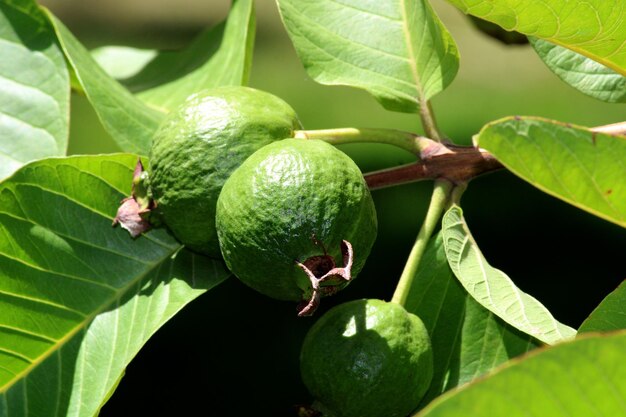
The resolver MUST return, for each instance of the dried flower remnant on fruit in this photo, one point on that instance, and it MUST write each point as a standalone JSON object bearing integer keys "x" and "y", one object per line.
{"x": 132, "y": 215}
{"x": 326, "y": 279}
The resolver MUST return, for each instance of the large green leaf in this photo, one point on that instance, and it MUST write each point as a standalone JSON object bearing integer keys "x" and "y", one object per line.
{"x": 129, "y": 121}
{"x": 34, "y": 88}
{"x": 398, "y": 50}
{"x": 492, "y": 288}
{"x": 220, "y": 56}
{"x": 468, "y": 340}
{"x": 582, "y": 378}
{"x": 582, "y": 167}
{"x": 78, "y": 298}
{"x": 584, "y": 74}
{"x": 594, "y": 28}
{"x": 610, "y": 314}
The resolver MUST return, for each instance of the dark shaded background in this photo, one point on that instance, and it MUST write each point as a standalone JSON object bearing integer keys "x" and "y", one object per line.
{"x": 233, "y": 352}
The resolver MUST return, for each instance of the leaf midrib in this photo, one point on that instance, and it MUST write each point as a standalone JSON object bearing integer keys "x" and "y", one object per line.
{"x": 411, "y": 52}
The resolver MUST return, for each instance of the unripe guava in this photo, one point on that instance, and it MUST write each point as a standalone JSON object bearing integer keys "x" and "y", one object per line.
{"x": 296, "y": 221}
{"x": 199, "y": 145}
{"x": 367, "y": 358}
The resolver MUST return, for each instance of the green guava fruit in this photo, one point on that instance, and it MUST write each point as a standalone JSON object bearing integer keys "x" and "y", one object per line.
{"x": 296, "y": 221}
{"x": 367, "y": 358}
{"x": 199, "y": 145}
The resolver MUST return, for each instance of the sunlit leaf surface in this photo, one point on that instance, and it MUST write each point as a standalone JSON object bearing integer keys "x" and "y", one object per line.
{"x": 594, "y": 28}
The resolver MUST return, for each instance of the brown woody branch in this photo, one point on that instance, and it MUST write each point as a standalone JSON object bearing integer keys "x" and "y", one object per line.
{"x": 457, "y": 164}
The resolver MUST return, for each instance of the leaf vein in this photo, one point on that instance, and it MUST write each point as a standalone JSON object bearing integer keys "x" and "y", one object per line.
{"x": 29, "y": 333}
{"x": 15, "y": 354}
{"x": 60, "y": 274}
{"x": 42, "y": 301}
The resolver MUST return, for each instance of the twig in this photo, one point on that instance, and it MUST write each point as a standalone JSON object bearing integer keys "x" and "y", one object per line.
{"x": 457, "y": 164}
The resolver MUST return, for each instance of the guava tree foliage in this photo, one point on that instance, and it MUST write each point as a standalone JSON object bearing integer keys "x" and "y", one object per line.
{"x": 79, "y": 298}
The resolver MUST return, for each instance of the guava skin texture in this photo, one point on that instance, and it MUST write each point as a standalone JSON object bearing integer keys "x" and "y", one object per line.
{"x": 199, "y": 145}
{"x": 294, "y": 202}
{"x": 367, "y": 358}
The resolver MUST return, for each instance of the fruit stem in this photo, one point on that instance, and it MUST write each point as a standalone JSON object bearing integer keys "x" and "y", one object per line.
{"x": 428, "y": 121}
{"x": 408, "y": 141}
{"x": 438, "y": 202}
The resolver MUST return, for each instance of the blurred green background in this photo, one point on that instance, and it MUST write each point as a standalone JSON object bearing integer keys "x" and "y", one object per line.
{"x": 233, "y": 352}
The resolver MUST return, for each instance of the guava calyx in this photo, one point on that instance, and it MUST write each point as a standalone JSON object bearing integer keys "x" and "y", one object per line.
{"x": 134, "y": 211}
{"x": 325, "y": 277}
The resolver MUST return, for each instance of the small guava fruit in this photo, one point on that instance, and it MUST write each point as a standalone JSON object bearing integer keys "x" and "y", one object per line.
{"x": 367, "y": 358}
{"x": 296, "y": 221}
{"x": 199, "y": 145}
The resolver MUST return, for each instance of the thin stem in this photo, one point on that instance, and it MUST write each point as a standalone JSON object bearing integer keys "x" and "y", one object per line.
{"x": 438, "y": 202}
{"x": 405, "y": 140}
{"x": 456, "y": 194}
{"x": 428, "y": 121}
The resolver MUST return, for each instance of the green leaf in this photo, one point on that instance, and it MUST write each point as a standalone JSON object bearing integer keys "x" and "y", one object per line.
{"x": 398, "y": 50}
{"x": 584, "y": 74}
{"x": 582, "y": 378}
{"x": 581, "y": 167}
{"x": 593, "y": 28}
{"x": 468, "y": 340}
{"x": 610, "y": 314}
{"x": 492, "y": 288}
{"x": 34, "y": 88}
{"x": 220, "y": 56}
{"x": 128, "y": 120}
{"x": 78, "y": 298}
